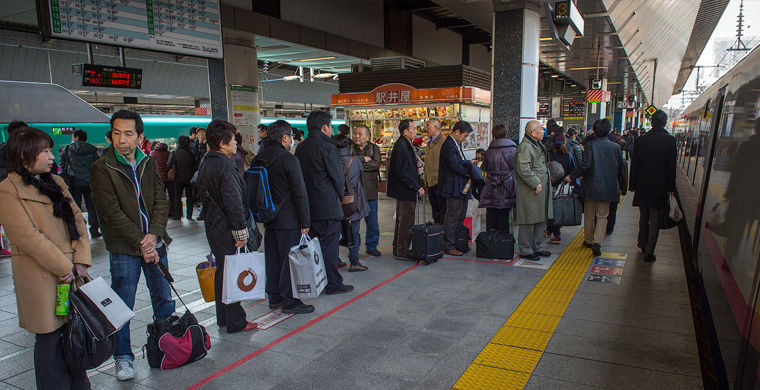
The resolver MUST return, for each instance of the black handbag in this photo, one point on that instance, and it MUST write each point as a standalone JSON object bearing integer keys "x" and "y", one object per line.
{"x": 86, "y": 343}
{"x": 346, "y": 234}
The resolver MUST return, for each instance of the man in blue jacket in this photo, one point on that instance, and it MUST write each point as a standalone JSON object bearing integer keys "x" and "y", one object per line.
{"x": 454, "y": 172}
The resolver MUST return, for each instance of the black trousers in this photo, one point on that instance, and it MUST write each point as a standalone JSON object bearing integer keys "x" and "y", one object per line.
{"x": 438, "y": 205}
{"x": 456, "y": 209}
{"x": 649, "y": 228}
{"x": 402, "y": 232}
{"x": 612, "y": 217}
{"x": 79, "y": 192}
{"x": 328, "y": 233}
{"x": 169, "y": 185}
{"x": 277, "y": 244}
{"x": 233, "y": 315}
{"x": 188, "y": 188}
{"x": 50, "y": 368}
{"x": 497, "y": 219}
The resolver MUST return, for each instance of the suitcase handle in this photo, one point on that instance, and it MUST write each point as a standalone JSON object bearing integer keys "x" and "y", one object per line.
{"x": 417, "y": 211}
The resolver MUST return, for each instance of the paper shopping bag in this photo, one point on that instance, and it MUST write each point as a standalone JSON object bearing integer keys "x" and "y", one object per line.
{"x": 244, "y": 277}
{"x": 307, "y": 268}
{"x": 111, "y": 310}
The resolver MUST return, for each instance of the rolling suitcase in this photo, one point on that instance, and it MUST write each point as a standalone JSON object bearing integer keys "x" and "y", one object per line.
{"x": 427, "y": 239}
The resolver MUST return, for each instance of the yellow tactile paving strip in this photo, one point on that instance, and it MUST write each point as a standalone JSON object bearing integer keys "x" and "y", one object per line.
{"x": 508, "y": 360}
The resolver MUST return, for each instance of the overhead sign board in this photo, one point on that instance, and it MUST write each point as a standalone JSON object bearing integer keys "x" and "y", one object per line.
{"x": 111, "y": 76}
{"x": 395, "y": 93}
{"x": 191, "y": 27}
{"x": 569, "y": 21}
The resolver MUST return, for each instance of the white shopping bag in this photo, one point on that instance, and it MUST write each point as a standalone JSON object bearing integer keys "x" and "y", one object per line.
{"x": 307, "y": 268}
{"x": 110, "y": 306}
{"x": 244, "y": 277}
{"x": 474, "y": 212}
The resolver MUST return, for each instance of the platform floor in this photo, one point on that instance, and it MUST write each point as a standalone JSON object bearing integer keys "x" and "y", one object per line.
{"x": 627, "y": 326}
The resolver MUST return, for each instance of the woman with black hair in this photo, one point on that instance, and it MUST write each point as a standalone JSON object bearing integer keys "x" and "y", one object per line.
{"x": 50, "y": 242}
{"x": 352, "y": 170}
{"x": 558, "y": 152}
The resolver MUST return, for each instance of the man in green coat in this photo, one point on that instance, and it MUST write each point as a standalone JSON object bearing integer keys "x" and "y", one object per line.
{"x": 534, "y": 200}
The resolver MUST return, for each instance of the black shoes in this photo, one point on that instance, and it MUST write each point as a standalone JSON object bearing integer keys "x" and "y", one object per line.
{"x": 300, "y": 308}
{"x": 531, "y": 257}
{"x": 650, "y": 258}
{"x": 375, "y": 253}
{"x": 340, "y": 290}
{"x": 543, "y": 253}
{"x": 587, "y": 245}
{"x": 406, "y": 257}
{"x": 357, "y": 268}
{"x": 596, "y": 249}
{"x": 275, "y": 305}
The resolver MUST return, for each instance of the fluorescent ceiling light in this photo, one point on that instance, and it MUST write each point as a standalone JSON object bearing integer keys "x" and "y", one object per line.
{"x": 316, "y": 59}
{"x": 615, "y": 82}
{"x": 587, "y": 68}
{"x": 554, "y": 76}
{"x": 545, "y": 39}
{"x": 293, "y": 77}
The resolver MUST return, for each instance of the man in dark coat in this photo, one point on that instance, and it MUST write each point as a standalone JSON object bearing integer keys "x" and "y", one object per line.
{"x": 324, "y": 184}
{"x": 292, "y": 220}
{"x": 370, "y": 155}
{"x": 604, "y": 177}
{"x": 184, "y": 164}
{"x": 653, "y": 176}
{"x": 404, "y": 185}
{"x": 454, "y": 171}
{"x": 80, "y": 155}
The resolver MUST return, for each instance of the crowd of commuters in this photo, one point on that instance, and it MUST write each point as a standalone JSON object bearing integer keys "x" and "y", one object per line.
{"x": 133, "y": 187}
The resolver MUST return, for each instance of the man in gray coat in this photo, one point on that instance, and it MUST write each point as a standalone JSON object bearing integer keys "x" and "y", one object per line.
{"x": 604, "y": 177}
{"x": 534, "y": 202}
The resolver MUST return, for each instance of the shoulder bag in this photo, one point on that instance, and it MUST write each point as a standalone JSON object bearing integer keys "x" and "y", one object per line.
{"x": 348, "y": 203}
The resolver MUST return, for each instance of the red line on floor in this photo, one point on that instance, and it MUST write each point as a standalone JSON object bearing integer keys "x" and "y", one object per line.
{"x": 292, "y": 333}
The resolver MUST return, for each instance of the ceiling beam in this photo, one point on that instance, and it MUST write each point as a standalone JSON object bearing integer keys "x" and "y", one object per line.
{"x": 452, "y": 23}
{"x": 416, "y": 5}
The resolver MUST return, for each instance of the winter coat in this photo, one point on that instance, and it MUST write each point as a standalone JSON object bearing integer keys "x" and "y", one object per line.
{"x": 42, "y": 250}
{"x": 184, "y": 164}
{"x": 653, "y": 168}
{"x": 433, "y": 160}
{"x": 603, "y": 171}
{"x": 530, "y": 171}
{"x": 239, "y": 158}
{"x": 575, "y": 148}
{"x": 499, "y": 191}
{"x": 224, "y": 197}
{"x": 371, "y": 173}
{"x": 403, "y": 173}
{"x": 453, "y": 171}
{"x": 3, "y": 162}
{"x": 353, "y": 180}
{"x": 80, "y": 155}
{"x": 287, "y": 187}
{"x": 320, "y": 165}
{"x": 124, "y": 217}
{"x": 160, "y": 155}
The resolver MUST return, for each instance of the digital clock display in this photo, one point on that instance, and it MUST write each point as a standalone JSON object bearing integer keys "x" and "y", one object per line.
{"x": 111, "y": 76}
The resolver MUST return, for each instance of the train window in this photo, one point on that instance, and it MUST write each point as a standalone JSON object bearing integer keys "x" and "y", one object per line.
{"x": 707, "y": 113}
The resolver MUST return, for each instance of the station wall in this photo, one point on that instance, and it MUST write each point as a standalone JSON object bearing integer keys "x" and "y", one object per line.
{"x": 442, "y": 47}
{"x": 480, "y": 58}
{"x": 358, "y": 20}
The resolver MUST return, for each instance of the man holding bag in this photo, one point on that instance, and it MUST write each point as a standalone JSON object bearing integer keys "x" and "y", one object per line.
{"x": 292, "y": 220}
{"x": 131, "y": 203}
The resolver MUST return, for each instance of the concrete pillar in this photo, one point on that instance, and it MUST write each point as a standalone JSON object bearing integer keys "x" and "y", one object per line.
{"x": 241, "y": 73}
{"x": 514, "y": 84}
{"x": 217, "y": 88}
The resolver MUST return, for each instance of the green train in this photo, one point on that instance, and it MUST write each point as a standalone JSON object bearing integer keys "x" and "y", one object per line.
{"x": 157, "y": 128}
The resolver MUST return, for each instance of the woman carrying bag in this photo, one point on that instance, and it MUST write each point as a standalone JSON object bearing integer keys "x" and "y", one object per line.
{"x": 352, "y": 170}
{"x": 558, "y": 152}
{"x": 227, "y": 217}
{"x": 50, "y": 242}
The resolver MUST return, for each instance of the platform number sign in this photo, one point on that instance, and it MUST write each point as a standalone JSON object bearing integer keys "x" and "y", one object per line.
{"x": 562, "y": 10}
{"x": 651, "y": 110}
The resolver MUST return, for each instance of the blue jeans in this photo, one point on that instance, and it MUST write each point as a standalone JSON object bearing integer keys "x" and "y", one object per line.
{"x": 373, "y": 228}
{"x": 353, "y": 250}
{"x": 125, "y": 273}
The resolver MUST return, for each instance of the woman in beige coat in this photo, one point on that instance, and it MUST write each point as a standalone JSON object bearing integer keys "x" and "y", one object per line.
{"x": 49, "y": 241}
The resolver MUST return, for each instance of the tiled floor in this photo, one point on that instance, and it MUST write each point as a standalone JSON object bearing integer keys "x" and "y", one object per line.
{"x": 420, "y": 330}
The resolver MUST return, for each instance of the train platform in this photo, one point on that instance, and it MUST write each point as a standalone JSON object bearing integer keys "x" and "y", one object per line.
{"x": 569, "y": 321}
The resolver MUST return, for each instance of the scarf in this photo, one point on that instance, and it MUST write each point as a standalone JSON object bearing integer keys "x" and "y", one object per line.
{"x": 61, "y": 204}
